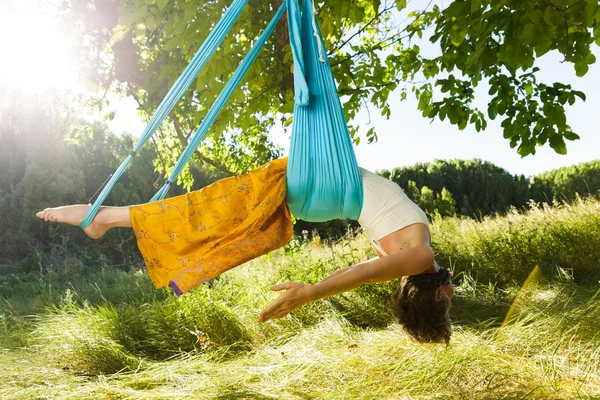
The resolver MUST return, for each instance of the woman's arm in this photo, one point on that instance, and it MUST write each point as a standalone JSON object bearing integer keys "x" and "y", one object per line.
{"x": 408, "y": 261}
{"x": 342, "y": 270}
{"x": 339, "y": 271}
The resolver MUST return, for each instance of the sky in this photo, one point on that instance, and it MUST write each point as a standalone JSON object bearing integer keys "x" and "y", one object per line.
{"x": 408, "y": 138}
{"x": 42, "y": 60}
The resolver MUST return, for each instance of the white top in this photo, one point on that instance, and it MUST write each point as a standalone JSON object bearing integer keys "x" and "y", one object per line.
{"x": 386, "y": 208}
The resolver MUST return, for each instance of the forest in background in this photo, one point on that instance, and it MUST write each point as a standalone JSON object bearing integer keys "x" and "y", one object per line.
{"x": 76, "y": 156}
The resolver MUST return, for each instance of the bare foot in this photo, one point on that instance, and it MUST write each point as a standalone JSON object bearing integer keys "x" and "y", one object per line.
{"x": 73, "y": 215}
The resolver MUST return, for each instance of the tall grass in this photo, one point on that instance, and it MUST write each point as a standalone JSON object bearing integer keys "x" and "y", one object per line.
{"x": 503, "y": 250}
{"x": 144, "y": 343}
{"x": 550, "y": 351}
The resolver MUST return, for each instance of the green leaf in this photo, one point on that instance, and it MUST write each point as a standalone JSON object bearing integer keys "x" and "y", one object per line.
{"x": 162, "y": 4}
{"x": 509, "y": 132}
{"x": 558, "y": 144}
{"x": 551, "y": 16}
{"x": 581, "y": 69}
{"x": 535, "y": 16}
{"x": 140, "y": 31}
{"x": 569, "y": 135}
{"x": 424, "y": 100}
{"x": 530, "y": 34}
{"x": 127, "y": 18}
{"x": 473, "y": 57}
{"x": 579, "y": 94}
{"x": 151, "y": 23}
{"x": 563, "y": 98}
{"x": 542, "y": 138}
{"x": 526, "y": 149}
{"x": 492, "y": 110}
{"x": 442, "y": 113}
{"x": 458, "y": 36}
{"x": 400, "y": 4}
{"x": 591, "y": 8}
{"x": 590, "y": 58}
{"x": 172, "y": 43}
{"x": 455, "y": 9}
{"x": 190, "y": 12}
{"x": 287, "y": 108}
{"x": 475, "y": 5}
{"x": 511, "y": 56}
{"x": 119, "y": 34}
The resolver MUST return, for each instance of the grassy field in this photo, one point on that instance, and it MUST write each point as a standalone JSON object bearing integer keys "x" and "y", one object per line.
{"x": 110, "y": 335}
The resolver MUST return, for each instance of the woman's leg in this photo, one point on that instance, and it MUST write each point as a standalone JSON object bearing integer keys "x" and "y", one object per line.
{"x": 107, "y": 217}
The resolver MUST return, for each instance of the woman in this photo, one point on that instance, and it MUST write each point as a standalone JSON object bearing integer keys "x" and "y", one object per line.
{"x": 189, "y": 239}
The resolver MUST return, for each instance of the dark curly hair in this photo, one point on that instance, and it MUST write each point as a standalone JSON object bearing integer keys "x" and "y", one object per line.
{"x": 414, "y": 306}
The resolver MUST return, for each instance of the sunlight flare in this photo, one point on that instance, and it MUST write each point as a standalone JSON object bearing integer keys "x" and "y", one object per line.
{"x": 535, "y": 278}
{"x": 36, "y": 51}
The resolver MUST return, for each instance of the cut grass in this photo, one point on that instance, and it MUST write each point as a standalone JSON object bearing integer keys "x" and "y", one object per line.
{"x": 541, "y": 355}
{"x": 115, "y": 337}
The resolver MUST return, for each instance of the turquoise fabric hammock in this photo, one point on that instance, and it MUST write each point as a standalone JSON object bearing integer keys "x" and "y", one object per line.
{"x": 323, "y": 178}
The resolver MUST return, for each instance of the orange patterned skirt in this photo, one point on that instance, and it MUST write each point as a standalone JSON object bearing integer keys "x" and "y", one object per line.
{"x": 187, "y": 240}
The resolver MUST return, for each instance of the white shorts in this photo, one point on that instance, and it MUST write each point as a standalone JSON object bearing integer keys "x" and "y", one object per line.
{"x": 386, "y": 208}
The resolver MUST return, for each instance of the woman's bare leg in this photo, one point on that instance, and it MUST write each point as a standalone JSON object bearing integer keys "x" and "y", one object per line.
{"x": 107, "y": 217}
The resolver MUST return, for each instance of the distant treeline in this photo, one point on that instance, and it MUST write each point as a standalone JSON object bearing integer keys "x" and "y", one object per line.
{"x": 478, "y": 188}
{"x": 47, "y": 159}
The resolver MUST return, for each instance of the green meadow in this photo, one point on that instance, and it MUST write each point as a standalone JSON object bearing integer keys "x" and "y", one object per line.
{"x": 108, "y": 334}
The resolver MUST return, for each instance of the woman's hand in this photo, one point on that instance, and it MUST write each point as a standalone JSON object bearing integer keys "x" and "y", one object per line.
{"x": 295, "y": 296}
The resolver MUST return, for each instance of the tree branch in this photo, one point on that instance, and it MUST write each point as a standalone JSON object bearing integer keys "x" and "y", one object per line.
{"x": 358, "y": 89}
{"x": 361, "y": 30}
{"x": 563, "y": 14}
{"x": 184, "y": 142}
{"x": 356, "y": 86}
{"x": 382, "y": 44}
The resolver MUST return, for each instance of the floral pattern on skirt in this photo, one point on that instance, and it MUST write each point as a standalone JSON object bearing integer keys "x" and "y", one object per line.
{"x": 189, "y": 239}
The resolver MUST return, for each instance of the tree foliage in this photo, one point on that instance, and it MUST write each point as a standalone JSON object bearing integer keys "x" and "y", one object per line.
{"x": 140, "y": 47}
{"x": 50, "y": 159}
{"x": 568, "y": 182}
{"x": 433, "y": 203}
{"x": 477, "y": 188}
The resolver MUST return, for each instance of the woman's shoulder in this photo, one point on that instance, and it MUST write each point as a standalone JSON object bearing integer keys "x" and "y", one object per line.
{"x": 365, "y": 173}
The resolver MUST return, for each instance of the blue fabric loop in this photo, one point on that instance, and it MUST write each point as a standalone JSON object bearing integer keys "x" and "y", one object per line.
{"x": 294, "y": 27}
{"x": 323, "y": 179}
{"x": 212, "y": 42}
{"x": 212, "y": 114}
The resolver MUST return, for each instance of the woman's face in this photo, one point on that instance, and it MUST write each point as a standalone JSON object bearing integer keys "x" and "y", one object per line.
{"x": 446, "y": 291}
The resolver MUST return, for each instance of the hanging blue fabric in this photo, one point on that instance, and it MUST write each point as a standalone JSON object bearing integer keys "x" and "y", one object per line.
{"x": 323, "y": 179}
{"x": 233, "y": 82}
{"x": 207, "y": 49}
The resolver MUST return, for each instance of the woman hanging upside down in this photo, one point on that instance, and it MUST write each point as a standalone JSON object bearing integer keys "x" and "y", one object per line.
{"x": 189, "y": 239}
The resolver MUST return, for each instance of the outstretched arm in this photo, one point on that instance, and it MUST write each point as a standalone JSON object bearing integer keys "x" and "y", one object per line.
{"x": 342, "y": 270}
{"x": 408, "y": 261}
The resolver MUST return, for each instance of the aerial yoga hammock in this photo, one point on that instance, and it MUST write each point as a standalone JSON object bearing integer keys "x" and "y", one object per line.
{"x": 322, "y": 176}
{"x": 187, "y": 240}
